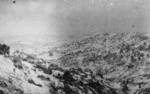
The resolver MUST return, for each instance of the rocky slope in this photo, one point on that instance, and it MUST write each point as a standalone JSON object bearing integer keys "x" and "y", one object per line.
{"x": 119, "y": 58}
{"x": 116, "y": 63}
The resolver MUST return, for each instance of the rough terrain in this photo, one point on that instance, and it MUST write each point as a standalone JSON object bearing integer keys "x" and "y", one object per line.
{"x": 110, "y": 63}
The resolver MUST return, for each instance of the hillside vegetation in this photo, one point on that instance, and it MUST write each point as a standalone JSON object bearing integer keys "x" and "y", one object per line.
{"x": 117, "y": 57}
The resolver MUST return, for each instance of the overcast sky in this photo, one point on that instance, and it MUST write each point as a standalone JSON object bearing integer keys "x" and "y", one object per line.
{"x": 61, "y": 17}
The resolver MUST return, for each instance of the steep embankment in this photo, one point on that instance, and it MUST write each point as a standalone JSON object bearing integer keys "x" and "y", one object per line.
{"x": 20, "y": 78}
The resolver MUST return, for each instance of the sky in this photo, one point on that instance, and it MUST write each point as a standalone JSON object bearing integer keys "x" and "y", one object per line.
{"x": 73, "y": 17}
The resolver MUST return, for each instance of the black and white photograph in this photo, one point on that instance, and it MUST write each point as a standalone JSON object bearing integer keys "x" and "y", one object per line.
{"x": 74, "y": 46}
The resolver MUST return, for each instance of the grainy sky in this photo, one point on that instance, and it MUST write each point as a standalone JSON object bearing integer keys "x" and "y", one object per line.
{"x": 64, "y": 17}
